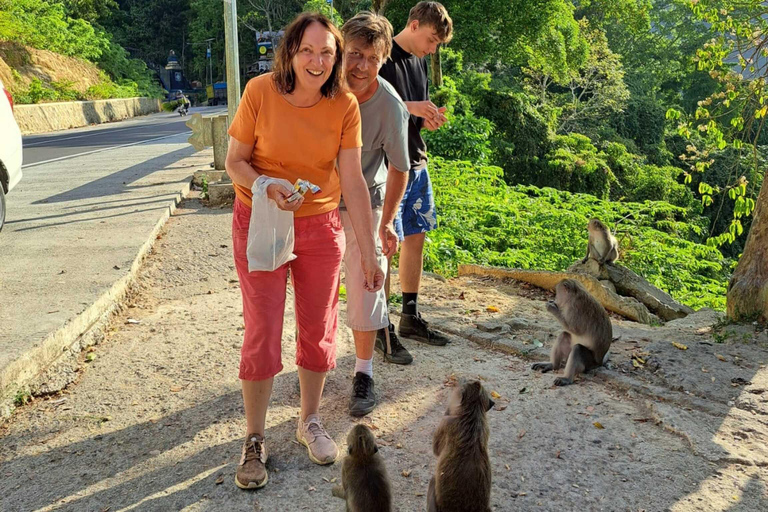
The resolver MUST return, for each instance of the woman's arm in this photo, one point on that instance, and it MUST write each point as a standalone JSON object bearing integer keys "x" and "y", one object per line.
{"x": 358, "y": 202}
{"x": 240, "y": 170}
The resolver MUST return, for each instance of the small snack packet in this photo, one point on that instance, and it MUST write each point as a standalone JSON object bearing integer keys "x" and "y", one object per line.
{"x": 301, "y": 187}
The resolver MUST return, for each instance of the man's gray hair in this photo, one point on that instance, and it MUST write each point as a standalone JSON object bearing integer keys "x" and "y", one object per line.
{"x": 372, "y": 29}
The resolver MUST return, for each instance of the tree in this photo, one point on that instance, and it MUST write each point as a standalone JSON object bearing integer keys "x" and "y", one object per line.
{"x": 324, "y": 7}
{"x": 150, "y": 30}
{"x": 268, "y": 10}
{"x": 92, "y": 11}
{"x": 490, "y": 32}
{"x": 657, "y": 40}
{"x": 590, "y": 72}
{"x": 734, "y": 116}
{"x": 598, "y": 89}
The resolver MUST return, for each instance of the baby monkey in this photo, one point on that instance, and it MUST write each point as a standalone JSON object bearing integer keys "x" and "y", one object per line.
{"x": 364, "y": 481}
{"x": 602, "y": 245}
{"x": 587, "y": 332}
{"x": 462, "y": 481}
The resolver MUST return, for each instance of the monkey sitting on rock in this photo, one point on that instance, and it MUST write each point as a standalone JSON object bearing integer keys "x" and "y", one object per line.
{"x": 462, "y": 481}
{"x": 587, "y": 332}
{"x": 602, "y": 245}
{"x": 364, "y": 481}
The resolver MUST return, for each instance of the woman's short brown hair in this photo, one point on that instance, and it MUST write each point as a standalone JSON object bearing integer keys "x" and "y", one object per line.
{"x": 284, "y": 76}
{"x": 435, "y": 15}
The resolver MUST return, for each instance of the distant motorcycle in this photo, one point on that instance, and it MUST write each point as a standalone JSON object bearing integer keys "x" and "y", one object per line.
{"x": 184, "y": 109}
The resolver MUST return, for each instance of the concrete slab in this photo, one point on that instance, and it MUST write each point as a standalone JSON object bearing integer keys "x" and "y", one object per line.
{"x": 221, "y": 193}
{"x": 76, "y": 232}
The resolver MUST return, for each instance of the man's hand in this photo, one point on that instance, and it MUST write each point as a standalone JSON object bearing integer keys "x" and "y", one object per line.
{"x": 389, "y": 239}
{"x": 435, "y": 123}
{"x": 280, "y": 194}
{"x": 374, "y": 275}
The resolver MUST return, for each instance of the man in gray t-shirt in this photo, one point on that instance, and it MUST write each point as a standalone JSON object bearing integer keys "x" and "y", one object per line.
{"x": 385, "y": 163}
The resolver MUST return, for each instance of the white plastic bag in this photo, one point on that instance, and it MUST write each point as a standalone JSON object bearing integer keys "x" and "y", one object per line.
{"x": 270, "y": 233}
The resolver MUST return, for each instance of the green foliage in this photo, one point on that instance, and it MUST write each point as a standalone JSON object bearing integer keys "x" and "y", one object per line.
{"x": 39, "y": 91}
{"x": 642, "y": 121}
{"x": 170, "y": 106}
{"x": 484, "y": 221}
{"x": 576, "y": 165}
{"x": 323, "y": 7}
{"x": 522, "y": 137}
{"x": 463, "y": 137}
{"x": 45, "y": 24}
{"x": 489, "y": 32}
{"x": 49, "y": 25}
{"x": 107, "y": 89}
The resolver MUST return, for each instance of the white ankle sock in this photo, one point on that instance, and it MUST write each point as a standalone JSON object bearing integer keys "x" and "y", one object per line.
{"x": 364, "y": 366}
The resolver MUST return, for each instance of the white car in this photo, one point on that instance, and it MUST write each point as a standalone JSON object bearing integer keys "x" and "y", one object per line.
{"x": 10, "y": 149}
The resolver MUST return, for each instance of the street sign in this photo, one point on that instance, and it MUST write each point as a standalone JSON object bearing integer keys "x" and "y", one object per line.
{"x": 329, "y": 1}
{"x": 208, "y": 53}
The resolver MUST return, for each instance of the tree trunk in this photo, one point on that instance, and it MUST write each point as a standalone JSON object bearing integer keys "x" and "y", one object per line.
{"x": 747, "y": 297}
{"x": 378, "y": 5}
{"x": 437, "y": 70}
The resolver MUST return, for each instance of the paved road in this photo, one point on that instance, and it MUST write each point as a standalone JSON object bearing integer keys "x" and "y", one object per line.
{"x": 87, "y": 204}
{"x": 45, "y": 148}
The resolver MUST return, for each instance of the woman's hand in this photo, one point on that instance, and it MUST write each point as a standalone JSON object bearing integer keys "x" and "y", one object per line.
{"x": 374, "y": 275}
{"x": 280, "y": 194}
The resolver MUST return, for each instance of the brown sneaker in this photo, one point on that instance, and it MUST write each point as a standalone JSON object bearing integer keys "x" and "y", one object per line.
{"x": 322, "y": 450}
{"x": 252, "y": 471}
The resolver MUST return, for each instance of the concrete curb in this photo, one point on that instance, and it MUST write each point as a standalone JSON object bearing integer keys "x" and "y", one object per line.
{"x": 49, "y": 117}
{"x": 29, "y": 373}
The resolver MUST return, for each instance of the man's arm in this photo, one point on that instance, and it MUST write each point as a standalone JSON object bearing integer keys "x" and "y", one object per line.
{"x": 358, "y": 202}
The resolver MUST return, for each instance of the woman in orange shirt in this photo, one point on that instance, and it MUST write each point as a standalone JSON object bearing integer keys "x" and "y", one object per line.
{"x": 297, "y": 122}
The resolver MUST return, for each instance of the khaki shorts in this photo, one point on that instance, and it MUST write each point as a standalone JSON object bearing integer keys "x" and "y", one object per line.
{"x": 366, "y": 311}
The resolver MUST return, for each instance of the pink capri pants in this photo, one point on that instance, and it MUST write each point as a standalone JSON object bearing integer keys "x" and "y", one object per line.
{"x": 319, "y": 249}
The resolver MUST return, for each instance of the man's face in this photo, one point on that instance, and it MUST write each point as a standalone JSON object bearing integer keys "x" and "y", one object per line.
{"x": 424, "y": 39}
{"x": 363, "y": 63}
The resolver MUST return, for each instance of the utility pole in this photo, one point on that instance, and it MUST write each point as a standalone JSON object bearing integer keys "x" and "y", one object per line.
{"x": 233, "y": 58}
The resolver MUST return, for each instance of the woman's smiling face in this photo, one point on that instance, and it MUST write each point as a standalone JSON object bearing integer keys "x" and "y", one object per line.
{"x": 313, "y": 63}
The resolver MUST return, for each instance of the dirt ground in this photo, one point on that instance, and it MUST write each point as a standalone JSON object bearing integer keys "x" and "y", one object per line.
{"x": 155, "y": 419}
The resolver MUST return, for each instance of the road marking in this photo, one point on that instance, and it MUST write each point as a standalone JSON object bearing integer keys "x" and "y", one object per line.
{"x": 89, "y": 134}
{"x": 100, "y": 150}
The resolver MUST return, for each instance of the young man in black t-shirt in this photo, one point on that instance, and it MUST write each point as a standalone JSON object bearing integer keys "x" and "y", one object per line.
{"x": 428, "y": 26}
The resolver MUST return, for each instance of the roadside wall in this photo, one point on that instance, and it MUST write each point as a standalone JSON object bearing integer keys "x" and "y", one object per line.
{"x": 49, "y": 117}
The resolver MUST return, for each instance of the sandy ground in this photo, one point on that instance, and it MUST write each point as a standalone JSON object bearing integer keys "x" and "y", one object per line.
{"x": 155, "y": 419}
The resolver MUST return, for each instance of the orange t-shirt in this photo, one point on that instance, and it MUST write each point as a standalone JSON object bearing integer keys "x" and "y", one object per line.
{"x": 293, "y": 142}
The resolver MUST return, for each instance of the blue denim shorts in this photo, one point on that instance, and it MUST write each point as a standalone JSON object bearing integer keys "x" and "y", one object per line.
{"x": 417, "y": 210}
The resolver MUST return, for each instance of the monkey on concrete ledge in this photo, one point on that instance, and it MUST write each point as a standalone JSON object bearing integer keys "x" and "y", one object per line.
{"x": 587, "y": 332}
{"x": 462, "y": 481}
{"x": 602, "y": 245}
{"x": 364, "y": 481}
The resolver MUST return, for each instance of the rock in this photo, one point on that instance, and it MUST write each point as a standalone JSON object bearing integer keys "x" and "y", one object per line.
{"x": 518, "y": 324}
{"x": 625, "y": 306}
{"x": 705, "y": 317}
{"x": 629, "y": 284}
{"x": 493, "y": 326}
{"x": 608, "y": 285}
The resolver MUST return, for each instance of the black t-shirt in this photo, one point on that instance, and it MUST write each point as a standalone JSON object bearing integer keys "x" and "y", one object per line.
{"x": 408, "y": 74}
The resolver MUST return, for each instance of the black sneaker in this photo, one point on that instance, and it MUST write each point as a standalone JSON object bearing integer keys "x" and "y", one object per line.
{"x": 393, "y": 351}
{"x": 363, "y": 396}
{"x": 416, "y": 328}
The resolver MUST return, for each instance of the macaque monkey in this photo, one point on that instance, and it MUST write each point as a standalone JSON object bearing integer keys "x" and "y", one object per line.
{"x": 602, "y": 245}
{"x": 587, "y": 332}
{"x": 364, "y": 481}
{"x": 462, "y": 481}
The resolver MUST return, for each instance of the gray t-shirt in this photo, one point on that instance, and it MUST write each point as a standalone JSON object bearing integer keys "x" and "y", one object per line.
{"x": 384, "y": 120}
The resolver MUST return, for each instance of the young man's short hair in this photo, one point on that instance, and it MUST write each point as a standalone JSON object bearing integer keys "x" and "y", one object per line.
{"x": 372, "y": 29}
{"x": 435, "y": 15}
